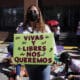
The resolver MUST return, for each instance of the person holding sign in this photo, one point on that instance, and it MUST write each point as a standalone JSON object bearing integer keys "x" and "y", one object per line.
{"x": 34, "y": 23}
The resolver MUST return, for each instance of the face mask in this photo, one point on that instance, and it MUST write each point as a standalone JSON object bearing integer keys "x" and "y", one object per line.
{"x": 32, "y": 16}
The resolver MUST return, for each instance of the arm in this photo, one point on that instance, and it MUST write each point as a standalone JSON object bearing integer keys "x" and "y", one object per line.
{"x": 19, "y": 29}
{"x": 54, "y": 47}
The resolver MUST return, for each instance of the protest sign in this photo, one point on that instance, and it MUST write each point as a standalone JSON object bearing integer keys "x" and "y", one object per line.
{"x": 33, "y": 48}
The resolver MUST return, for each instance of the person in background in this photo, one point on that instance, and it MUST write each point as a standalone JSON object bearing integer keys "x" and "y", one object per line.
{"x": 72, "y": 68}
{"x": 18, "y": 67}
{"x": 18, "y": 29}
{"x": 33, "y": 23}
{"x": 20, "y": 70}
{"x": 55, "y": 29}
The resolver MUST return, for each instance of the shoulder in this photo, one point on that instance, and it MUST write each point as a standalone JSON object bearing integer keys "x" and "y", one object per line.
{"x": 47, "y": 28}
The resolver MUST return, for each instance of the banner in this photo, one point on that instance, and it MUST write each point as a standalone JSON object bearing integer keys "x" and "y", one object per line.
{"x": 33, "y": 48}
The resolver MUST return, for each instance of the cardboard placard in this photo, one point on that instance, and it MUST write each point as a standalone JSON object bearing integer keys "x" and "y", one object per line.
{"x": 33, "y": 48}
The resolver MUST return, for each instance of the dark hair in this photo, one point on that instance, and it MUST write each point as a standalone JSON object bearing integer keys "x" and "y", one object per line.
{"x": 64, "y": 57}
